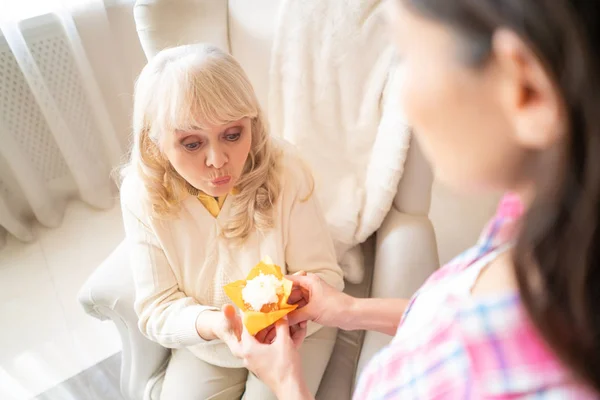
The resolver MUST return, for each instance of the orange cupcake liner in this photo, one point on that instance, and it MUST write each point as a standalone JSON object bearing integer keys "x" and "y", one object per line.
{"x": 256, "y": 321}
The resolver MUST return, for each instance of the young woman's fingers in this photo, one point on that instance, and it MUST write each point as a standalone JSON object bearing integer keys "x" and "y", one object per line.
{"x": 298, "y": 334}
{"x": 261, "y": 336}
{"x": 229, "y": 312}
{"x": 234, "y": 345}
{"x": 248, "y": 341}
{"x": 270, "y": 336}
{"x": 296, "y": 296}
{"x": 300, "y": 315}
{"x": 282, "y": 328}
{"x": 301, "y": 303}
{"x": 303, "y": 281}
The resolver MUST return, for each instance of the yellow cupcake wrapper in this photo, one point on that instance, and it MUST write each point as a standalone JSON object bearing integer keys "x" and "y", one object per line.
{"x": 257, "y": 321}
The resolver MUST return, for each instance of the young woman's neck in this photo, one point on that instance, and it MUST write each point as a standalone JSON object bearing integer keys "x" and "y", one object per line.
{"x": 526, "y": 192}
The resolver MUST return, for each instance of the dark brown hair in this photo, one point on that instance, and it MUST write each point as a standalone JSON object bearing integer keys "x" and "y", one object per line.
{"x": 558, "y": 252}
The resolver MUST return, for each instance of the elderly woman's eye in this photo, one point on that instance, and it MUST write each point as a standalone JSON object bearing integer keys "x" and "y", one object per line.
{"x": 192, "y": 146}
{"x": 232, "y": 137}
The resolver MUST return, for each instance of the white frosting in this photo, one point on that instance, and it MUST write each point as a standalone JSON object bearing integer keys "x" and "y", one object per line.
{"x": 262, "y": 290}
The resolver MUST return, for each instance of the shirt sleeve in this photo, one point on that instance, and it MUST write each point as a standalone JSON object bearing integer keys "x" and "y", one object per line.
{"x": 309, "y": 245}
{"x": 166, "y": 315}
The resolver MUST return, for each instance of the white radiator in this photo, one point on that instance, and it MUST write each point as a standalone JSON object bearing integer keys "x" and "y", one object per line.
{"x": 56, "y": 138}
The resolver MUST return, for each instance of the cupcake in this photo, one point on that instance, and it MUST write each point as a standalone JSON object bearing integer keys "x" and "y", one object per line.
{"x": 262, "y": 296}
{"x": 263, "y": 293}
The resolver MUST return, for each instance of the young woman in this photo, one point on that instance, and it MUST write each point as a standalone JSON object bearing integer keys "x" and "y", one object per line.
{"x": 503, "y": 95}
{"x": 206, "y": 196}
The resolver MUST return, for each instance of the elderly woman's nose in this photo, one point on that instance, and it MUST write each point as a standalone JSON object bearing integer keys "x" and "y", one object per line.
{"x": 216, "y": 157}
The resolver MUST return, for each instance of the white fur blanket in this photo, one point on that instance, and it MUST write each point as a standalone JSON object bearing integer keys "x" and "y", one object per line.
{"x": 333, "y": 93}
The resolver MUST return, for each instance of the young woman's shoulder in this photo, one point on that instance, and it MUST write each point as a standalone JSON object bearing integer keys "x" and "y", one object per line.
{"x": 500, "y": 341}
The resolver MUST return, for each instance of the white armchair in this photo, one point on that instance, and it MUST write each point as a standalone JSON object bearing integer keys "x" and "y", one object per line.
{"x": 401, "y": 256}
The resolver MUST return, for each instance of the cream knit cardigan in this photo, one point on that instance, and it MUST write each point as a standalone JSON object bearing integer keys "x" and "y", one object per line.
{"x": 180, "y": 265}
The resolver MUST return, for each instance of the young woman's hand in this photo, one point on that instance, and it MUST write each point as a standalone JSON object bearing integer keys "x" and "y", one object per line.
{"x": 298, "y": 297}
{"x": 317, "y": 301}
{"x": 228, "y": 327}
{"x": 267, "y": 335}
{"x": 278, "y": 364}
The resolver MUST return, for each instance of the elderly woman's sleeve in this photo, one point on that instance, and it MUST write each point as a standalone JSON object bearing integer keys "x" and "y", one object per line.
{"x": 166, "y": 315}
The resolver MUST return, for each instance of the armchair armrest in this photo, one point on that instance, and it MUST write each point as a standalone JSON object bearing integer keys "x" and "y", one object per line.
{"x": 405, "y": 256}
{"x": 109, "y": 294}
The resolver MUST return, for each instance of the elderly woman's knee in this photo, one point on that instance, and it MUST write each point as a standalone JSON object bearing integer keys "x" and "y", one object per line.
{"x": 189, "y": 378}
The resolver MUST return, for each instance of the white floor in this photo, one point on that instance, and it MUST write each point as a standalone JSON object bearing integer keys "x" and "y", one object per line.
{"x": 45, "y": 336}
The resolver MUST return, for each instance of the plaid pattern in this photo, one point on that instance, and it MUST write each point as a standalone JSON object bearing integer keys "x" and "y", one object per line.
{"x": 478, "y": 348}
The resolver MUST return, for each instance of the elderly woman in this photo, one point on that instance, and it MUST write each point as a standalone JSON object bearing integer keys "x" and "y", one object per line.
{"x": 206, "y": 195}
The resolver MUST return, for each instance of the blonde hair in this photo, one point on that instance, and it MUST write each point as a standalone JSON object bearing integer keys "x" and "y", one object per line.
{"x": 192, "y": 86}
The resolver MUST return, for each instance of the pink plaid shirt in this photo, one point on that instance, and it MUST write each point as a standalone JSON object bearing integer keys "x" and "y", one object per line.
{"x": 476, "y": 348}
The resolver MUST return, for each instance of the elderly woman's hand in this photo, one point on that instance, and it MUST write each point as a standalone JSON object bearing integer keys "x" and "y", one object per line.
{"x": 278, "y": 364}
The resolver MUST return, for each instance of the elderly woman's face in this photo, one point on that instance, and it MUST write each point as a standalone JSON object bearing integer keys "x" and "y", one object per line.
{"x": 211, "y": 159}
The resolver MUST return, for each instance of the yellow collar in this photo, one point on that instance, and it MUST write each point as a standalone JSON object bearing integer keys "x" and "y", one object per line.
{"x": 214, "y": 205}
